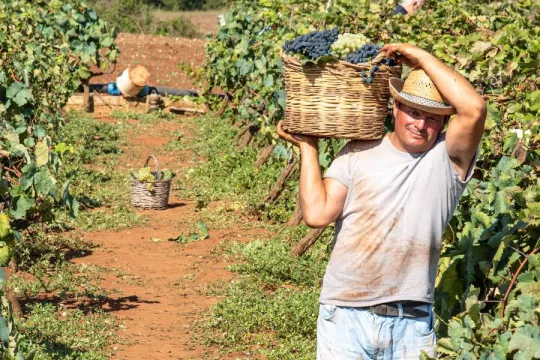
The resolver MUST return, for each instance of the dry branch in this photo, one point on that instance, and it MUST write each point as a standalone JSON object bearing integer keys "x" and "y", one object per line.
{"x": 247, "y": 136}
{"x": 12, "y": 297}
{"x": 280, "y": 183}
{"x": 223, "y": 106}
{"x": 514, "y": 279}
{"x": 297, "y": 216}
{"x": 307, "y": 242}
{"x": 265, "y": 155}
{"x": 241, "y": 133}
{"x": 86, "y": 99}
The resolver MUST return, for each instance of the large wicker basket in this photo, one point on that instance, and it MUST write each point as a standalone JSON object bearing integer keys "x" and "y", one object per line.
{"x": 157, "y": 197}
{"x": 330, "y": 100}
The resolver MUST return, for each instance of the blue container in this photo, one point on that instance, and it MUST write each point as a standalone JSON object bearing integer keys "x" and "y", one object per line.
{"x": 112, "y": 89}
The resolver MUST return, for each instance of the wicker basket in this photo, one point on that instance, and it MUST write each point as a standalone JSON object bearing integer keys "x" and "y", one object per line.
{"x": 158, "y": 197}
{"x": 330, "y": 100}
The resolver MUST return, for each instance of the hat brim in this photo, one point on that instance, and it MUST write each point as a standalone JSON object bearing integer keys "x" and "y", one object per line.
{"x": 396, "y": 85}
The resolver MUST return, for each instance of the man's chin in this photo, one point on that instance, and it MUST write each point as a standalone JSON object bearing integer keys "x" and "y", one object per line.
{"x": 417, "y": 144}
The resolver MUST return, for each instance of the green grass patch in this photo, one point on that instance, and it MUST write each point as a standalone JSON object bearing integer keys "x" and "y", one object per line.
{"x": 144, "y": 118}
{"x": 272, "y": 307}
{"x": 103, "y": 192}
{"x": 46, "y": 280}
{"x": 52, "y": 332}
{"x": 223, "y": 173}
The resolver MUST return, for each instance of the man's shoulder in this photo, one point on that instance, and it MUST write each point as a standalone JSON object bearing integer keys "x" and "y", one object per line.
{"x": 362, "y": 145}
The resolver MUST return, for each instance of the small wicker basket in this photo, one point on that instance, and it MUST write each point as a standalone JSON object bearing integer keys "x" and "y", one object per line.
{"x": 330, "y": 100}
{"x": 158, "y": 197}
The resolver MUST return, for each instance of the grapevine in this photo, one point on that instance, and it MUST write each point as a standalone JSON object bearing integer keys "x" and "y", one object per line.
{"x": 493, "y": 44}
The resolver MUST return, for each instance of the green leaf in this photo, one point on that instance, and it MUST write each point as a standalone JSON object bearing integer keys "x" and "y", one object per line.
{"x": 43, "y": 182}
{"x": 14, "y": 89}
{"x": 4, "y": 331}
{"x": 480, "y": 47}
{"x": 203, "y": 230}
{"x": 21, "y": 206}
{"x": 42, "y": 153}
{"x": 502, "y": 204}
{"x": 510, "y": 142}
{"x": 526, "y": 340}
{"x": 84, "y": 73}
{"x": 69, "y": 200}
{"x": 23, "y": 97}
{"x": 494, "y": 116}
{"x": 534, "y": 208}
{"x": 445, "y": 346}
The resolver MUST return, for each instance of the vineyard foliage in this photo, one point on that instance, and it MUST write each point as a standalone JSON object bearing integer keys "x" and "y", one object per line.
{"x": 488, "y": 288}
{"x": 47, "y": 49}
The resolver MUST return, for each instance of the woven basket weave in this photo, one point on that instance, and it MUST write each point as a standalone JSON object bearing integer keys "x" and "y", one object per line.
{"x": 330, "y": 100}
{"x": 158, "y": 197}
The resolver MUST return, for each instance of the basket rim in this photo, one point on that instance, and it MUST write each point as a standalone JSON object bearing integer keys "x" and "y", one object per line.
{"x": 136, "y": 181}
{"x": 293, "y": 60}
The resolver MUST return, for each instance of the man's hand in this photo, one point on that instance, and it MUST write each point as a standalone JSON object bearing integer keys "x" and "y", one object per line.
{"x": 321, "y": 201}
{"x": 407, "y": 54}
{"x": 296, "y": 139}
{"x": 412, "y": 5}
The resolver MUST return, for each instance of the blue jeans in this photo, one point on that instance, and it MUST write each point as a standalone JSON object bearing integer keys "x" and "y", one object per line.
{"x": 346, "y": 333}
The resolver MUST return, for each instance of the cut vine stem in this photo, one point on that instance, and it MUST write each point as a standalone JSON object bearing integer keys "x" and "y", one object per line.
{"x": 252, "y": 129}
{"x": 241, "y": 133}
{"x": 307, "y": 242}
{"x": 280, "y": 183}
{"x": 297, "y": 216}
{"x": 224, "y": 105}
{"x": 514, "y": 279}
{"x": 265, "y": 155}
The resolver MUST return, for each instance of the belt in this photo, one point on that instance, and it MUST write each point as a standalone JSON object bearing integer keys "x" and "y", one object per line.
{"x": 410, "y": 311}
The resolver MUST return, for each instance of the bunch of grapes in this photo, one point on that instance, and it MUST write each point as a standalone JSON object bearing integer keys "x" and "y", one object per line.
{"x": 367, "y": 53}
{"x": 368, "y": 77}
{"x": 363, "y": 55}
{"x": 313, "y": 45}
{"x": 347, "y": 43}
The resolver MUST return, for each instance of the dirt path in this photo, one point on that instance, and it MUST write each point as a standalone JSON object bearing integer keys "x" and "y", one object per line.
{"x": 160, "y": 290}
{"x": 161, "y": 55}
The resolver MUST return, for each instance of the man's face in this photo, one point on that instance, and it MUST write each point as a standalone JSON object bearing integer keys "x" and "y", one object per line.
{"x": 416, "y": 130}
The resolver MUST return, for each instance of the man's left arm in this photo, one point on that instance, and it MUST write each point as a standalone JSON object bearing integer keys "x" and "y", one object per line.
{"x": 466, "y": 128}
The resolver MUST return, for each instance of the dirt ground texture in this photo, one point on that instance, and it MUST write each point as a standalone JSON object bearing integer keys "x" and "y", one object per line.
{"x": 161, "y": 55}
{"x": 160, "y": 290}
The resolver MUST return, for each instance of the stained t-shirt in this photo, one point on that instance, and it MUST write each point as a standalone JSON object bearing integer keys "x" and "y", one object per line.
{"x": 388, "y": 236}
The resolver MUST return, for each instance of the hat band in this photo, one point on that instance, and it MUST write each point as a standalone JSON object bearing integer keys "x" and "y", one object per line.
{"x": 423, "y": 101}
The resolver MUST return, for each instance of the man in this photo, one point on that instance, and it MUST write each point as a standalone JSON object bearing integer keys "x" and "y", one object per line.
{"x": 408, "y": 7}
{"x": 392, "y": 200}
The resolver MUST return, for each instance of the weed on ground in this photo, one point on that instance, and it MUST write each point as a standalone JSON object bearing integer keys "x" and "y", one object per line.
{"x": 271, "y": 308}
{"x": 222, "y": 173}
{"x": 100, "y": 186}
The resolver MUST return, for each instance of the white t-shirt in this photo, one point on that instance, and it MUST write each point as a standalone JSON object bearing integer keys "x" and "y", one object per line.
{"x": 388, "y": 237}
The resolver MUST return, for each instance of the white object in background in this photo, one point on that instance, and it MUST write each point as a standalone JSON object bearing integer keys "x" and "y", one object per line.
{"x": 132, "y": 80}
{"x": 221, "y": 20}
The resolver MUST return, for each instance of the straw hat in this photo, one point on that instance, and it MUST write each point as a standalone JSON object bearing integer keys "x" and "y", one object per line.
{"x": 419, "y": 92}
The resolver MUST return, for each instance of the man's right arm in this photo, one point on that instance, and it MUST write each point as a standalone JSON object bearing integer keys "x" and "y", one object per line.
{"x": 321, "y": 200}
